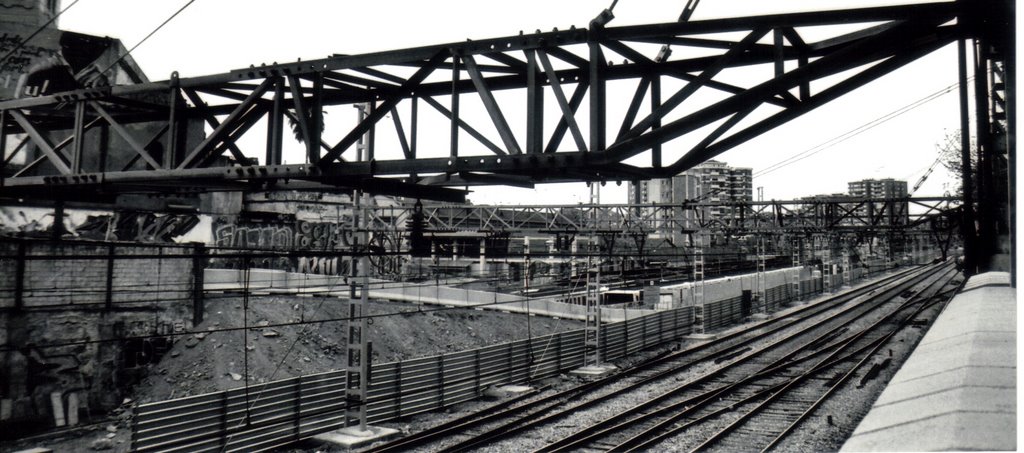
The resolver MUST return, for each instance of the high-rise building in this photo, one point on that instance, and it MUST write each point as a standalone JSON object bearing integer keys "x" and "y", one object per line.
{"x": 897, "y": 212}
{"x": 711, "y": 181}
{"x": 878, "y": 188}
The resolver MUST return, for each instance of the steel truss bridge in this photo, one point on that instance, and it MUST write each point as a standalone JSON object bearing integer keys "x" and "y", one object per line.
{"x": 865, "y": 215}
{"x": 67, "y": 137}
{"x": 638, "y": 231}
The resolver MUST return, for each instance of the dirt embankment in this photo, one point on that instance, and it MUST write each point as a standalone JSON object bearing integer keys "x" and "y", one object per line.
{"x": 223, "y": 354}
{"x": 216, "y": 360}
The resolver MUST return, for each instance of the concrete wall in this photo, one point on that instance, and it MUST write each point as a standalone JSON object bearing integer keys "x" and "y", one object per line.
{"x": 64, "y": 301}
{"x": 681, "y": 295}
{"x": 266, "y": 280}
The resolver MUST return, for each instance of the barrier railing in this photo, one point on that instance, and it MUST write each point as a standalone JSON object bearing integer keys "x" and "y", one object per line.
{"x": 282, "y": 412}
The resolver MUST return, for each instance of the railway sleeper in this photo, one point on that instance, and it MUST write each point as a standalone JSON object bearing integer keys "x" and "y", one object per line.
{"x": 875, "y": 370}
{"x": 732, "y": 355}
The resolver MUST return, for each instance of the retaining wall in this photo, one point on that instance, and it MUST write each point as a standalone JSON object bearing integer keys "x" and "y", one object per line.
{"x": 419, "y": 293}
{"x": 80, "y": 321}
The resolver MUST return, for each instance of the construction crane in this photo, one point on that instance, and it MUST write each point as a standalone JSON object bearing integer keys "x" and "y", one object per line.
{"x": 917, "y": 185}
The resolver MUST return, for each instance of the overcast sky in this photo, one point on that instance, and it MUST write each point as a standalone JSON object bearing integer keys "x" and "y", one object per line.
{"x": 214, "y": 36}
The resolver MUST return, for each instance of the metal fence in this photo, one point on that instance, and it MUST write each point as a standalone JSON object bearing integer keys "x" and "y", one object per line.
{"x": 278, "y": 413}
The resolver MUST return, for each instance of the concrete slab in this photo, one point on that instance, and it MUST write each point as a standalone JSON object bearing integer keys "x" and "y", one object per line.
{"x": 353, "y": 437}
{"x": 505, "y": 391}
{"x": 701, "y": 336}
{"x": 592, "y": 371}
{"x": 957, "y": 391}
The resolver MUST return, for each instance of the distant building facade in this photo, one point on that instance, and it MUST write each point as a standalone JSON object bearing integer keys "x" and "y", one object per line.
{"x": 878, "y": 188}
{"x": 886, "y": 188}
{"x": 898, "y": 212}
{"x": 711, "y": 181}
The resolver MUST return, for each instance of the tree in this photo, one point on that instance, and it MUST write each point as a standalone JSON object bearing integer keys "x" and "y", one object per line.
{"x": 949, "y": 153}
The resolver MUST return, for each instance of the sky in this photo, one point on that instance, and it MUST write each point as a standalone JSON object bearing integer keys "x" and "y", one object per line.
{"x": 216, "y": 36}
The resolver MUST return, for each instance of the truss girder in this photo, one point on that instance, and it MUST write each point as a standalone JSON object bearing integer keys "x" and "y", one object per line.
{"x": 571, "y": 65}
{"x": 800, "y": 217}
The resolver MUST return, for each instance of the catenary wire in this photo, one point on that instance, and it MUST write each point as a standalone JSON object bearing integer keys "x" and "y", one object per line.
{"x": 158, "y": 27}
{"x": 855, "y": 131}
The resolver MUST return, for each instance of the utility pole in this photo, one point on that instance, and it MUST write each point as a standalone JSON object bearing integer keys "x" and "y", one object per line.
{"x": 593, "y": 311}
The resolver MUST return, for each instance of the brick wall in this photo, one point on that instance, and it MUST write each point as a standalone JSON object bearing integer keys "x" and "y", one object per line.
{"x": 80, "y": 295}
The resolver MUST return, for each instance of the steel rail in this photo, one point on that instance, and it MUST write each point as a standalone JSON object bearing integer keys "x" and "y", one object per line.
{"x": 807, "y": 413}
{"x": 553, "y": 400}
{"x": 617, "y": 422}
{"x": 651, "y": 436}
{"x": 468, "y": 421}
{"x": 778, "y": 323}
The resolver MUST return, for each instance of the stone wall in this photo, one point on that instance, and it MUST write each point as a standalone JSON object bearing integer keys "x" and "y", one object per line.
{"x": 84, "y": 322}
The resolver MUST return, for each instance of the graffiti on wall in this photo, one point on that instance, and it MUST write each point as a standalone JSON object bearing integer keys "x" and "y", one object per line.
{"x": 21, "y": 63}
{"x": 307, "y": 235}
{"x": 120, "y": 226}
{"x": 147, "y": 341}
{"x": 48, "y": 61}
{"x": 47, "y": 369}
{"x": 302, "y": 235}
{"x": 138, "y": 227}
{"x": 253, "y": 236}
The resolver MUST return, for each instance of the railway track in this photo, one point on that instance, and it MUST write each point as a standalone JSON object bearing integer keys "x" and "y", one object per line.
{"x": 760, "y": 416}
{"x": 714, "y": 364}
{"x": 722, "y": 393}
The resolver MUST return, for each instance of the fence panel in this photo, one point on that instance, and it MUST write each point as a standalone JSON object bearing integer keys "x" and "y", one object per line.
{"x": 277, "y": 413}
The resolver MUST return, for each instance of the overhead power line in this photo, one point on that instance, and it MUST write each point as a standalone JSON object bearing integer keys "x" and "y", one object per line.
{"x": 855, "y": 131}
{"x": 122, "y": 57}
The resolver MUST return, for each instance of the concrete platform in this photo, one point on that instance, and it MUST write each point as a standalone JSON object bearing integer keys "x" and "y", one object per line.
{"x": 958, "y": 389}
{"x": 352, "y": 437}
{"x": 594, "y": 370}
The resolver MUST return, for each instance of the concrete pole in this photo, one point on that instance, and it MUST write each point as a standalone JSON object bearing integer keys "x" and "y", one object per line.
{"x": 364, "y": 337}
{"x": 483, "y": 257}
{"x": 526, "y": 261}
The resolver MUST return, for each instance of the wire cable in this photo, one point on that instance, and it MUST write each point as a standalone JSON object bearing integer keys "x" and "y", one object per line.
{"x": 855, "y": 131}
{"x": 122, "y": 57}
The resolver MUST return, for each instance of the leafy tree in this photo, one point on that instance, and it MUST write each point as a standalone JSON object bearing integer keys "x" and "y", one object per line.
{"x": 949, "y": 151}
